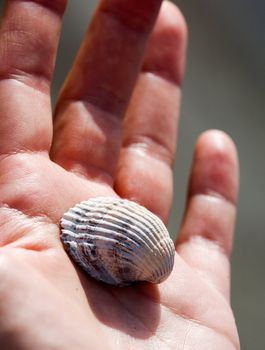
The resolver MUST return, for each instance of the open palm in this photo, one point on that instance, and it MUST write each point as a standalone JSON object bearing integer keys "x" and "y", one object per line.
{"x": 49, "y": 164}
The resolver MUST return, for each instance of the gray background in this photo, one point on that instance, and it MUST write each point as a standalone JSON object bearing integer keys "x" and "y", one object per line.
{"x": 225, "y": 89}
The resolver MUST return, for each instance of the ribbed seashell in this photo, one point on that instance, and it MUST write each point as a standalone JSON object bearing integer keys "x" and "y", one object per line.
{"x": 117, "y": 241}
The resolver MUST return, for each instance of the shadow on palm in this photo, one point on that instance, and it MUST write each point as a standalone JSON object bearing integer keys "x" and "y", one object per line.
{"x": 129, "y": 310}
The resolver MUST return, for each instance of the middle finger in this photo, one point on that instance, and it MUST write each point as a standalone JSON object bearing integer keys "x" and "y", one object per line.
{"x": 88, "y": 118}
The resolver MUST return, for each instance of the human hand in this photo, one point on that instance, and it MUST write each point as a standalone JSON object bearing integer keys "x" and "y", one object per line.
{"x": 48, "y": 164}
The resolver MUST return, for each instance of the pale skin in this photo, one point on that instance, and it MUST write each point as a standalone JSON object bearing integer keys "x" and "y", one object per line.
{"x": 113, "y": 133}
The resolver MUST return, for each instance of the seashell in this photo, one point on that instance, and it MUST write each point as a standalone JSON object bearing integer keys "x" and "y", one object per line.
{"x": 118, "y": 241}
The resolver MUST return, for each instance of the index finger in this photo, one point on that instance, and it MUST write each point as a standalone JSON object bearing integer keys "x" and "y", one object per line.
{"x": 29, "y": 35}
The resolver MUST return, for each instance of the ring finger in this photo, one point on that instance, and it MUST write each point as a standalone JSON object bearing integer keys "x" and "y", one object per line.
{"x": 29, "y": 35}
{"x": 144, "y": 173}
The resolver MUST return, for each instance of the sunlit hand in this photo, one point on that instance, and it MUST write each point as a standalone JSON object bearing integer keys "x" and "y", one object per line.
{"x": 88, "y": 149}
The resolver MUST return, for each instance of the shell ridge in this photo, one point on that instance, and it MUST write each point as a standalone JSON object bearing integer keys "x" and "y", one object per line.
{"x": 135, "y": 214}
{"x": 90, "y": 269}
{"x": 117, "y": 241}
{"x": 100, "y": 231}
{"x": 139, "y": 226}
{"x": 133, "y": 232}
{"x": 124, "y": 205}
{"x": 151, "y": 226}
{"x": 122, "y": 247}
{"x": 82, "y": 236}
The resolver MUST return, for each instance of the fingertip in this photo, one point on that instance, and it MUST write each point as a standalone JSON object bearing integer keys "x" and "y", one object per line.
{"x": 140, "y": 17}
{"x": 166, "y": 54}
{"x": 215, "y": 166}
{"x": 172, "y": 18}
{"x": 218, "y": 140}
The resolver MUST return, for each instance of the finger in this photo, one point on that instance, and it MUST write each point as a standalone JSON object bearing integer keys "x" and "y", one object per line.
{"x": 144, "y": 173}
{"x": 29, "y": 35}
{"x": 87, "y": 132}
{"x": 206, "y": 235}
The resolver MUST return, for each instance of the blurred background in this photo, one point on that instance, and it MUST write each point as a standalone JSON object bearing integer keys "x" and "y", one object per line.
{"x": 225, "y": 89}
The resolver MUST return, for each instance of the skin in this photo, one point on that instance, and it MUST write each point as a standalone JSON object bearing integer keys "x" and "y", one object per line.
{"x": 113, "y": 133}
